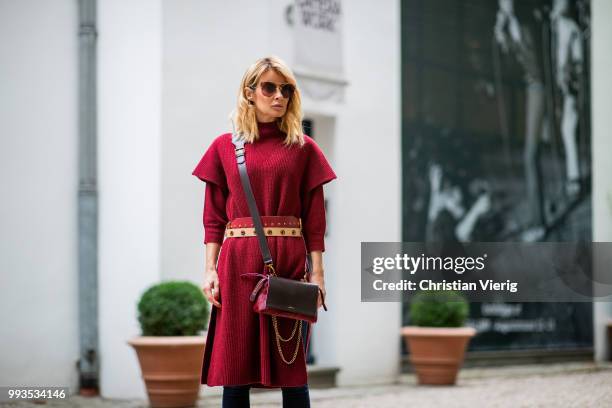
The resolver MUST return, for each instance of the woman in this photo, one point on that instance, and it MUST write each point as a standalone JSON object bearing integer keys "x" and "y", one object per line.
{"x": 287, "y": 171}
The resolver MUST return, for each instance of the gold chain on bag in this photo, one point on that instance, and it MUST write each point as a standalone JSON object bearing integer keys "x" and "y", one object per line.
{"x": 292, "y": 332}
{"x": 279, "y": 338}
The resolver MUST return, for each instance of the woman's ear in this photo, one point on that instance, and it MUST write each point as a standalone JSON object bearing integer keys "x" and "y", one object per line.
{"x": 249, "y": 93}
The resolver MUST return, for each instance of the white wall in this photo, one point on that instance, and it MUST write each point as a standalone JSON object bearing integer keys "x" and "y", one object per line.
{"x": 129, "y": 106}
{"x": 38, "y": 162}
{"x": 601, "y": 60}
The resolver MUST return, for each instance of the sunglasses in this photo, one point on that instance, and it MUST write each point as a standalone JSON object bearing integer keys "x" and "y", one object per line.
{"x": 269, "y": 89}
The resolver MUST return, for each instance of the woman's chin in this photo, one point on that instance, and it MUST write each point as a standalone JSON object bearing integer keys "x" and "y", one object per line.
{"x": 277, "y": 113}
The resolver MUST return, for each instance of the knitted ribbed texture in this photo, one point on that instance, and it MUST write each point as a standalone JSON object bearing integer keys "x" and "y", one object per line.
{"x": 241, "y": 347}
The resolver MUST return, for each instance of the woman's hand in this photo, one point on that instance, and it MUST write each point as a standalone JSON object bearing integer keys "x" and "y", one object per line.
{"x": 317, "y": 277}
{"x": 211, "y": 287}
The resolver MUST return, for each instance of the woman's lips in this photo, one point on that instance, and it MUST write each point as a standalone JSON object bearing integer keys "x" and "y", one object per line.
{"x": 277, "y": 106}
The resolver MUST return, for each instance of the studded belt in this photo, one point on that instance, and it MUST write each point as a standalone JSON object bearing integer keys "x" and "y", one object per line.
{"x": 274, "y": 226}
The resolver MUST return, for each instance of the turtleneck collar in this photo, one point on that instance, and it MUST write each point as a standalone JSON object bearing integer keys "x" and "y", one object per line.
{"x": 268, "y": 129}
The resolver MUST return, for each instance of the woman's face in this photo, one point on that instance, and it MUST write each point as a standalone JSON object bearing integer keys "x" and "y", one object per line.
{"x": 268, "y": 108}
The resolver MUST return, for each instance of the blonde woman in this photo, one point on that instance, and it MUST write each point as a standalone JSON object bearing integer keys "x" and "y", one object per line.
{"x": 287, "y": 171}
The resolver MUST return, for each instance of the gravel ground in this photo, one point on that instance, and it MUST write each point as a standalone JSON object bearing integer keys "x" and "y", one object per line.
{"x": 554, "y": 385}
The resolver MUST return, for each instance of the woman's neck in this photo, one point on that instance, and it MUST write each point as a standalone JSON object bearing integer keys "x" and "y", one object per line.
{"x": 267, "y": 129}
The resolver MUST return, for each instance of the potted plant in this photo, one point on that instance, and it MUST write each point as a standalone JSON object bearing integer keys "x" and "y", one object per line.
{"x": 170, "y": 350}
{"x": 437, "y": 340}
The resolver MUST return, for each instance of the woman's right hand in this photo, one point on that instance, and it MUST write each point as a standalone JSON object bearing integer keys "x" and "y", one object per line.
{"x": 211, "y": 287}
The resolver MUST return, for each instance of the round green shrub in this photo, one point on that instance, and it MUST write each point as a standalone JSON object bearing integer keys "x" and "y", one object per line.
{"x": 172, "y": 308}
{"x": 444, "y": 308}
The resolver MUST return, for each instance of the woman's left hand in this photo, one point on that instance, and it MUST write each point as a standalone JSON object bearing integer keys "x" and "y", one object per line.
{"x": 317, "y": 277}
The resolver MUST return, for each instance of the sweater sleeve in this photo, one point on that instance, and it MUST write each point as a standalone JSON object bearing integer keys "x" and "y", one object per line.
{"x": 215, "y": 216}
{"x": 318, "y": 171}
{"x": 210, "y": 167}
{"x": 313, "y": 220}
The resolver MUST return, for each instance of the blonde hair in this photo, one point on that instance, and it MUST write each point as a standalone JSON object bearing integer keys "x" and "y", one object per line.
{"x": 244, "y": 115}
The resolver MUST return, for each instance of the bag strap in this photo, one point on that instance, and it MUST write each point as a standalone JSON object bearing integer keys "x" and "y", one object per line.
{"x": 248, "y": 191}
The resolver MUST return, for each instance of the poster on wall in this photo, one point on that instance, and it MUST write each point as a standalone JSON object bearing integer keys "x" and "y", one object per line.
{"x": 496, "y": 143}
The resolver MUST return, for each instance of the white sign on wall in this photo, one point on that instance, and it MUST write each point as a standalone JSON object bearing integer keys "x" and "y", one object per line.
{"x": 318, "y": 48}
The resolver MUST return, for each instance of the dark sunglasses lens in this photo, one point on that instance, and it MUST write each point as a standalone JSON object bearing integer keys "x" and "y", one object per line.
{"x": 268, "y": 88}
{"x": 287, "y": 90}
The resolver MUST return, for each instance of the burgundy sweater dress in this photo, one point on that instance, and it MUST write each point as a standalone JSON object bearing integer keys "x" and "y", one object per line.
{"x": 240, "y": 345}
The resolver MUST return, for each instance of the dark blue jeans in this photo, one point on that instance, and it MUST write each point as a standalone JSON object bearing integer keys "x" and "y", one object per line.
{"x": 237, "y": 396}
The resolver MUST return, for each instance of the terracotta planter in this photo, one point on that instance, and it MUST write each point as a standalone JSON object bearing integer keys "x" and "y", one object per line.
{"x": 437, "y": 352}
{"x": 171, "y": 368}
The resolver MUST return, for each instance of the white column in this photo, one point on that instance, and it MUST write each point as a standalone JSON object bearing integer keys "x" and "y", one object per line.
{"x": 129, "y": 101}
{"x": 601, "y": 61}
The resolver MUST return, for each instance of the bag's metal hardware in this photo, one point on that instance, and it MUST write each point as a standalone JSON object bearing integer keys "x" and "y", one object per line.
{"x": 297, "y": 325}
{"x": 271, "y": 267}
